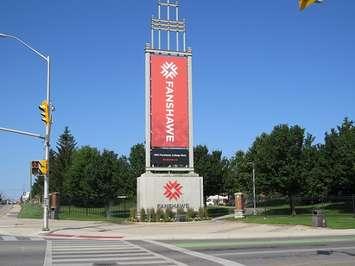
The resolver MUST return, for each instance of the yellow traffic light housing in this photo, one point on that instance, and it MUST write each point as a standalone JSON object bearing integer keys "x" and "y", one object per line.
{"x": 45, "y": 112}
{"x": 43, "y": 167}
{"x": 306, "y": 3}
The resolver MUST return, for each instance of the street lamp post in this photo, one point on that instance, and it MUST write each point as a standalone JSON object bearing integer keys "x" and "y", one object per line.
{"x": 47, "y": 129}
{"x": 254, "y": 192}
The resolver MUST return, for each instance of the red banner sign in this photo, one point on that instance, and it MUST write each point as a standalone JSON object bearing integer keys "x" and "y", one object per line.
{"x": 169, "y": 102}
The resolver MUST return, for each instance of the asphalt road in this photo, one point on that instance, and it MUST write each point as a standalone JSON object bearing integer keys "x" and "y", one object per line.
{"x": 19, "y": 253}
{"x": 339, "y": 251}
{"x": 5, "y": 209}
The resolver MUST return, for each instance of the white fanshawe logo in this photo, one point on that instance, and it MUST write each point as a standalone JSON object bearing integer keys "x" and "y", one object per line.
{"x": 169, "y": 70}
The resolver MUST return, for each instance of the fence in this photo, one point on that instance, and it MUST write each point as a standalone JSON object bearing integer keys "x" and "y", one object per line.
{"x": 303, "y": 205}
{"x": 118, "y": 208}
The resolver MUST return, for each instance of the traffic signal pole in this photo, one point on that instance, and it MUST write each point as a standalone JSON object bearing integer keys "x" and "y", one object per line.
{"x": 47, "y": 128}
{"x": 46, "y": 151}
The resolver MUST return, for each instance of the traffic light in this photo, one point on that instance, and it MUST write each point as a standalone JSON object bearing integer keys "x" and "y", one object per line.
{"x": 45, "y": 112}
{"x": 43, "y": 167}
{"x": 35, "y": 168}
{"x": 306, "y": 3}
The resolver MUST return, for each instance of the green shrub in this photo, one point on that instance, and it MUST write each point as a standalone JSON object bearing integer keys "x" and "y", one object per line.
{"x": 180, "y": 215}
{"x": 160, "y": 215}
{"x": 169, "y": 215}
{"x": 202, "y": 214}
{"x": 143, "y": 215}
{"x": 190, "y": 214}
{"x": 133, "y": 214}
{"x": 152, "y": 215}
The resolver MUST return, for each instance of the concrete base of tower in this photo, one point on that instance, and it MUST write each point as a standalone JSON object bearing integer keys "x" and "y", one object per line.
{"x": 162, "y": 191}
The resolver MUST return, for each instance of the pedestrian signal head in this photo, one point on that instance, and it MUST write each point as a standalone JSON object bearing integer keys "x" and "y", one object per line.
{"x": 35, "y": 168}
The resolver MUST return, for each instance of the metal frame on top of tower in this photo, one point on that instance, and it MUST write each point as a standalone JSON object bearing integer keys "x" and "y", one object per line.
{"x": 161, "y": 28}
{"x": 168, "y": 25}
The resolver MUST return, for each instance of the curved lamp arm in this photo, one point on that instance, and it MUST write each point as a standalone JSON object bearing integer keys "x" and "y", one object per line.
{"x": 2, "y": 35}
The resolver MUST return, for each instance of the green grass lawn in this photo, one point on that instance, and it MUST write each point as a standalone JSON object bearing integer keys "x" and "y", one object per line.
{"x": 337, "y": 217}
{"x": 35, "y": 211}
{"x": 29, "y": 210}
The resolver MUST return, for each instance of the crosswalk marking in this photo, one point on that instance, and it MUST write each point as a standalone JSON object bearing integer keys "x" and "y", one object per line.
{"x": 128, "y": 256}
{"x": 35, "y": 238}
{"x": 20, "y": 238}
{"x": 214, "y": 259}
{"x": 9, "y": 238}
{"x": 88, "y": 252}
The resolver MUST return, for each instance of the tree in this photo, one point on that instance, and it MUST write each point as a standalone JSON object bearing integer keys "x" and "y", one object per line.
{"x": 104, "y": 182}
{"x": 212, "y": 167}
{"x": 37, "y": 188}
{"x": 239, "y": 175}
{"x": 339, "y": 155}
{"x": 123, "y": 181}
{"x": 81, "y": 184}
{"x": 136, "y": 167}
{"x": 317, "y": 184}
{"x": 62, "y": 160}
{"x": 137, "y": 160}
{"x": 52, "y": 169}
{"x": 278, "y": 158}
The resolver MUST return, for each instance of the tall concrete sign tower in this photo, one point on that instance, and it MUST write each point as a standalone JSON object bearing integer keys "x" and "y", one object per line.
{"x": 169, "y": 180}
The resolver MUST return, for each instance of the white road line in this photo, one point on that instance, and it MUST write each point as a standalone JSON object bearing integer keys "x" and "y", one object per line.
{"x": 9, "y": 238}
{"x": 93, "y": 249}
{"x": 119, "y": 252}
{"x": 48, "y": 256}
{"x": 175, "y": 262}
{"x": 70, "y": 247}
{"x": 89, "y": 246}
{"x": 143, "y": 262}
{"x": 95, "y": 259}
{"x": 140, "y": 255}
{"x": 87, "y": 252}
{"x": 301, "y": 250}
{"x": 35, "y": 238}
{"x": 196, "y": 254}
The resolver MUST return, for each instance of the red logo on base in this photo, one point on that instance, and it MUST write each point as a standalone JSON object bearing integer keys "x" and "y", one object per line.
{"x": 172, "y": 190}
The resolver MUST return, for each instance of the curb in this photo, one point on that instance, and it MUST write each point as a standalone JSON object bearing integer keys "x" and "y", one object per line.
{"x": 73, "y": 236}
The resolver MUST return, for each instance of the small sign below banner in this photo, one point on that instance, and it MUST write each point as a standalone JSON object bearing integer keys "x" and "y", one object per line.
{"x": 169, "y": 157}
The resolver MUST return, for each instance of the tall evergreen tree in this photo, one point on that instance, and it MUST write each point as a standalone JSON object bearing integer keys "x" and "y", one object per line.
{"x": 137, "y": 159}
{"x": 66, "y": 145}
{"x": 137, "y": 167}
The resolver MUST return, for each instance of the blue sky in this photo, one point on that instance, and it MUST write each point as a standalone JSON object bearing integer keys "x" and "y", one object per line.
{"x": 255, "y": 64}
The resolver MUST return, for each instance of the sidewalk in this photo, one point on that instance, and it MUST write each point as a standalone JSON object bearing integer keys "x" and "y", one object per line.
{"x": 221, "y": 229}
